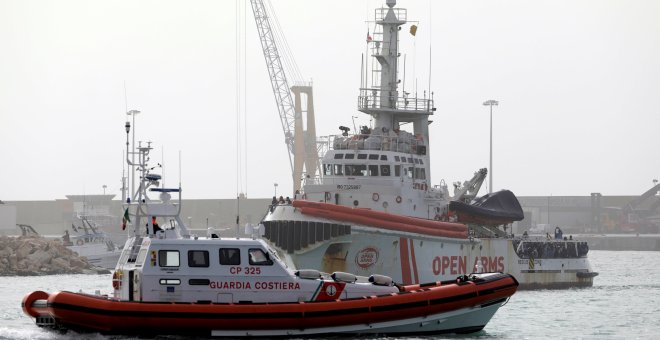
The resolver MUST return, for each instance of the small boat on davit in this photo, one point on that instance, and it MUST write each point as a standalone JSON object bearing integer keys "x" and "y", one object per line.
{"x": 168, "y": 281}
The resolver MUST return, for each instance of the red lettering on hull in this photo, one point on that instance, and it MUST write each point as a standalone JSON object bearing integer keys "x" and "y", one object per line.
{"x": 457, "y": 265}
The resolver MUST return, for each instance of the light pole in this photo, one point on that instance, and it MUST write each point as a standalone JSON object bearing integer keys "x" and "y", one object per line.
{"x": 133, "y": 113}
{"x": 104, "y": 187}
{"x": 490, "y": 168}
{"x": 275, "y": 185}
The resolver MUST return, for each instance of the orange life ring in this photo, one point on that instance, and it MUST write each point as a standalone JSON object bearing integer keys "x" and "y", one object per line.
{"x": 375, "y": 197}
{"x": 398, "y": 199}
{"x": 116, "y": 280}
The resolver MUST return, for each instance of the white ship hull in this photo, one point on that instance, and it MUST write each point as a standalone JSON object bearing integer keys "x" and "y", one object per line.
{"x": 411, "y": 258}
{"x": 98, "y": 254}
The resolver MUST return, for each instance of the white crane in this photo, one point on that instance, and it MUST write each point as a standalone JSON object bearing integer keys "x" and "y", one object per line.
{"x": 300, "y": 143}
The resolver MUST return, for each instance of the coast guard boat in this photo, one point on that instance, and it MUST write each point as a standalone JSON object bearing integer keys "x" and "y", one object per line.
{"x": 168, "y": 281}
{"x": 374, "y": 208}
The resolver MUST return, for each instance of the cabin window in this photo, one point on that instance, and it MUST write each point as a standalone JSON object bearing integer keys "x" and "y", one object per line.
{"x": 230, "y": 256}
{"x": 416, "y": 161}
{"x": 142, "y": 255}
{"x": 383, "y": 157}
{"x": 384, "y": 170}
{"x": 349, "y": 156}
{"x": 170, "y": 282}
{"x": 373, "y": 170}
{"x": 199, "y": 282}
{"x": 198, "y": 258}
{"x": 397, "y": 170}
{"x": 168, "y": 258}
{"x": 396, "y": 158}
{"x": 421, "y": 161}
{"x": 410, "y": 160}
{"x": 259, "y": 258}
{"x": 362, "y": 156}
{"x": 338, "y": 170}
{"x": 356, "y": 170}
{"x": 328, "y": 169}
{"x": 373, "y": 157}
{"x": 339, "y": 155}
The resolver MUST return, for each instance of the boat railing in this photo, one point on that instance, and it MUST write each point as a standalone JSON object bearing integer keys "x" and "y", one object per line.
{"x": 377, "y": 99}
{"x": 380, "y": 141}
{"x": 346, "y": 180}
{"x": 400, "y": 13}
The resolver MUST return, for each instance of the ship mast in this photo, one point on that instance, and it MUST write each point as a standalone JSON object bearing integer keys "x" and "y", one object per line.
{"x": 382, "y": 99}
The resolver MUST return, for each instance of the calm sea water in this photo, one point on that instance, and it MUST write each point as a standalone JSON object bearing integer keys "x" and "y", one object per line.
{"x": 623, "y": 304}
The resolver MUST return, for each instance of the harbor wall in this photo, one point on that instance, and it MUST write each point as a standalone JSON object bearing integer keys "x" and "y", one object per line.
{"x": 574, "y": 214}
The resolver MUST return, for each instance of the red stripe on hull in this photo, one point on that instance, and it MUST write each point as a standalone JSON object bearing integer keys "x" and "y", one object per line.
{"x": 405, "y": 261}
{"x": 97, "y": 313}
{"x": 414, "y": 261}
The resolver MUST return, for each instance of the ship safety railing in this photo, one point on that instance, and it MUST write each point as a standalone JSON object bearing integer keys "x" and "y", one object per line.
{"x": 400, "y": 13}
{"x": 371, "y": 99}
{"x": 412, "y": 144}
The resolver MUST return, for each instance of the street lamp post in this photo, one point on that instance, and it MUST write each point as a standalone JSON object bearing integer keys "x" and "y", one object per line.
{"x": 133, "y": 113}
{"x": 104, "y": 187}
{"x": 490, "y": 168}
{"x": 275, "y": 185}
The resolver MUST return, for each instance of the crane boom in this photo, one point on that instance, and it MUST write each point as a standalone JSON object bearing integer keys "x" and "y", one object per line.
{"x": 278, "y": 80}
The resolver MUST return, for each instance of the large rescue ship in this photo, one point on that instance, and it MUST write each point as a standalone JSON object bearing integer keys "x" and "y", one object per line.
{"x": 375, "y": 209}
{"x": 169, "y": 281}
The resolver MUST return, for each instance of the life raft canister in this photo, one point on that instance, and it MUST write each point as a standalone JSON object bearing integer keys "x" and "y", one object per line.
{"x": 116, "y": 279}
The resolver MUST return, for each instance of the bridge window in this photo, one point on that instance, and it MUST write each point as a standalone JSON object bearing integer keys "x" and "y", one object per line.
{"x": 410, "y": 160}
{"x": 396, "y": 158}
{"x": 362, "y": 156}
{"x": 349, "y": 156}
{"x": 384, "y": 170}
{"x": 373, "y": 170}
{"x": 259, "y": 258}
{"x": 339, "y": 170}
{"x": 339, "y": 156}
{"x": 230, "y": 256}
{"x": 421, "y": 161}
{"x": 383, "y": 157}
{"x": 416, "y": 161}
{"x": 198, "y": 258}
{"x": 168, "y": 258}
{"x": 373, "y": 157}
{"x": 356, "y": 170}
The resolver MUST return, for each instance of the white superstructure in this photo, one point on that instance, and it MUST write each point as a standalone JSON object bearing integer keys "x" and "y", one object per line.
{"x": 387, "y": 169}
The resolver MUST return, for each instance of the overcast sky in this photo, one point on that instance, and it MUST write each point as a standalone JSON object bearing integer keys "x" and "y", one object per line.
{"x": 578, "y": 83}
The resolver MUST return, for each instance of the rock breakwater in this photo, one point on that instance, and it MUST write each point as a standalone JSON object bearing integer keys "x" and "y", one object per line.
{"x": 35, "y": 255}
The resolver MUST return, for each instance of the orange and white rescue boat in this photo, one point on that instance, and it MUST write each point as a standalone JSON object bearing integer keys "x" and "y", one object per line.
{"x": 168, "y": 281}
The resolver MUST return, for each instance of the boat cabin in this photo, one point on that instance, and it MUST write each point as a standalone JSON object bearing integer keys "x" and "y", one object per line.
{"x": 214, "y": 270}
